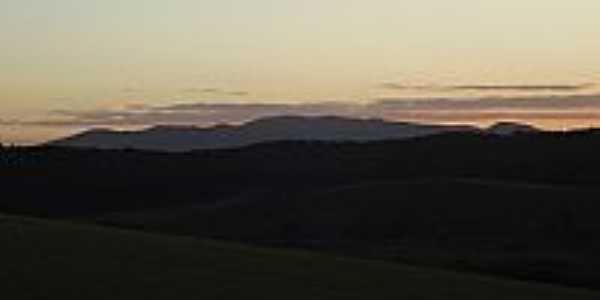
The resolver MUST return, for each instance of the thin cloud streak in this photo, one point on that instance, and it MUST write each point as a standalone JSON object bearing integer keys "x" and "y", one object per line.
{"x": 215, "y": 92}
{"x": 527, "y": 88}
{"x": 490, "y": 88}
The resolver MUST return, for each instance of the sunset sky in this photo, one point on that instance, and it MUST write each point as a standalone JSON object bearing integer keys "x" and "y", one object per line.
{"x": 68, "y": 65}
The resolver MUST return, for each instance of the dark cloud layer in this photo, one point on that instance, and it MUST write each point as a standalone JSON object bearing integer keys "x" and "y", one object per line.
{"x": 497, "y": 103}
{"x": 427, "y": 110}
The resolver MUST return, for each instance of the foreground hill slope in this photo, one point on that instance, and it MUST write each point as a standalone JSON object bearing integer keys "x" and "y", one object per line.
{"x": 42, "y": 260}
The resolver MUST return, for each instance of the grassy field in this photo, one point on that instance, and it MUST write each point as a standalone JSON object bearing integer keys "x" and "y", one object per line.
{"x": 52, "y": 260}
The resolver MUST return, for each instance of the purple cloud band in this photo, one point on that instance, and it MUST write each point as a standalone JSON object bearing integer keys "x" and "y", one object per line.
{"x": 204, "y": 114}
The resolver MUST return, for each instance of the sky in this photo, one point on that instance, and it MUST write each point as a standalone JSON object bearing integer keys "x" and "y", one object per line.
{"x": 68, "y": 65}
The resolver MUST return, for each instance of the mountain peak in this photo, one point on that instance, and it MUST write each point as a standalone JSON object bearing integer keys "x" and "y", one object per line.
{"x": 510, "y": 128}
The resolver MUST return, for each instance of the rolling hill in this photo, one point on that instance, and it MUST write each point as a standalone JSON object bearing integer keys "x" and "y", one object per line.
{"x": 527, "y": 231}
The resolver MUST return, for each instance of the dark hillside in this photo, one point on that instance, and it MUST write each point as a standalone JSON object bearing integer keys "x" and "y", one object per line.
{"x": 529, "y": 231}
{"x": 62, "y": 181}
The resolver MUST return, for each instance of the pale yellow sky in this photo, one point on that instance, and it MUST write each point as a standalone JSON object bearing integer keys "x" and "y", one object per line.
{"x": 107, "y": 54}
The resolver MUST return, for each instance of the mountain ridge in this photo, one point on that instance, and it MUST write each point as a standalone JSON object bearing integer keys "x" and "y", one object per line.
{"x": 176, "y": 138}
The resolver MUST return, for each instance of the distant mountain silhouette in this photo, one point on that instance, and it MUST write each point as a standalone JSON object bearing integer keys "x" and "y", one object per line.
{"x": 288, "y": 128}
